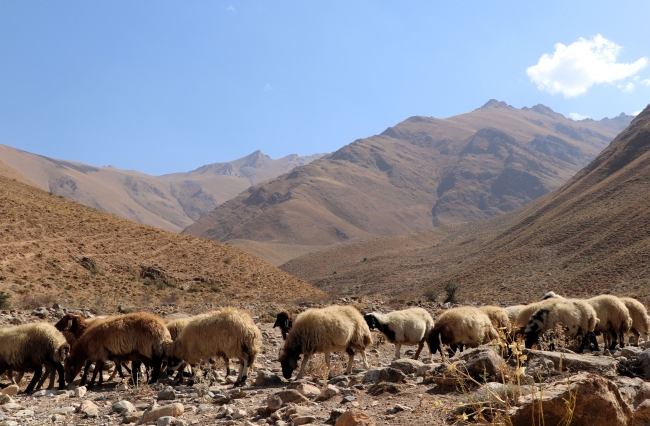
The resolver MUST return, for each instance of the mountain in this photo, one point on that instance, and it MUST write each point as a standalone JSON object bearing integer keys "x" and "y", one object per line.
{"x": 56, "y": 250}
{"x": 589, "y": 236}
{"x": 420, "y": 173}
{"x": 170, "y": 202}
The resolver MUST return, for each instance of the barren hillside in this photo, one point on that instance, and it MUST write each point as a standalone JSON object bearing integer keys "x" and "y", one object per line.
{"x": 420, "y": 173}
{"x": 54, "y": 249}
{"x": 589, "y": 236}
{"x": 170, "y": 202}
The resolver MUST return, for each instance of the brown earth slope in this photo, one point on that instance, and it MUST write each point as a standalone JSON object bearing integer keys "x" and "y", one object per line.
{"x": 54, "y": 249}
{"x": 170, "y": 202}
{"x": 420, "y": 173}
{"x": 589, "y": 236}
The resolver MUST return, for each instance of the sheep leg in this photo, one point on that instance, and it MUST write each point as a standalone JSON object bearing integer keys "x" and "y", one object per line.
{"x": 614, "y": 337}
{"x": 420, "y": 347}
{"x": 35, "y": 379}
{"x": 350, "y": 360}
{"x": 364, "y": 358}
{"x": 99, "y": 368}
{"x": 44, "y": 377}
{"x": 636, "y": 336}
{"x": 84, "y": 376}
{"x": 156, "y": 362}
{"x": 621, "y": 339}
{"x": 243, "y": 371}
{"x": 192, "y": 378}
{"x": 303, "y": 365}
{"x": 227, "y": 361}
{"x": 180, "y": 372}
{"x": 398, "y": 346}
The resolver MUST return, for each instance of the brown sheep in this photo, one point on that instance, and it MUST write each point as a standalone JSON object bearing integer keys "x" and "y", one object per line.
{"x": 133, "y": 337}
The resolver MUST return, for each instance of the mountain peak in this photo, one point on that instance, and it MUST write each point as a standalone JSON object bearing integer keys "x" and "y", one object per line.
{"x": 495, "y": 104}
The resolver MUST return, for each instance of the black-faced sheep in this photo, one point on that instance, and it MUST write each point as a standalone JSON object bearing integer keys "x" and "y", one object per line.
{"x": 464, "y": 325}
{"x": 577, "y": 318}
{"x": 405, "y": 327}
{"x": 134, "y": 337}
{"x": 229, "y": 333}
{"x": 284, "y": 321}
{"x": 28, "y": 347}
{"x": 640, "y": 319}
{"x": 325, "y": 330}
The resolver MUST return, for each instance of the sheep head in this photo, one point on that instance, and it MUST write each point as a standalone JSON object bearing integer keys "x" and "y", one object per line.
{"x": 283, "y": 320}
{"x": 289, "y": 362}
{"x": 371, "y": 321}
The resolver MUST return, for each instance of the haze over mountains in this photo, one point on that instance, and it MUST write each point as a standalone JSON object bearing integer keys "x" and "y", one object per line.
{"x": 589, "y": 236}
{"x": 417, "y": 174}
{"x": 171, "y": 201}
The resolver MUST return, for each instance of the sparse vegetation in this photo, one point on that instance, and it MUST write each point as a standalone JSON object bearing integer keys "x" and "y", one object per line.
{"x": 4, "y": 300}
{"x": 451, "y": 291}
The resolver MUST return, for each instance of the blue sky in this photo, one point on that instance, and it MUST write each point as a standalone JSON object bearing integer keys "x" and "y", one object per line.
{"x": 169, "y": 86}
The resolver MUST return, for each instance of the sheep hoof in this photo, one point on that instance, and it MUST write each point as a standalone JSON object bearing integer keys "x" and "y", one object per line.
{"x": 190, "y": 383}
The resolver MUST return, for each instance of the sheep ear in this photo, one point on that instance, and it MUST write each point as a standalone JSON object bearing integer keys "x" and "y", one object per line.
{"x": 69, "y": 326}
{"x": 287, "y": 324}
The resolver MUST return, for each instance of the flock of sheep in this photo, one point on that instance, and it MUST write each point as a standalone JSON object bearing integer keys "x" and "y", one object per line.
{"x": 141, "y": 338}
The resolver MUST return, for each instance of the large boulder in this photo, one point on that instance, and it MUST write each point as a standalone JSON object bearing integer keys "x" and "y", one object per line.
{"x": 284, "y": 397}
{"x": 407, "y": 365}
{"x": 603, "y": 365}
{"x": 597, "y": 403}
{"x": 355, "y": 418}
{"x": 482, "y": 363}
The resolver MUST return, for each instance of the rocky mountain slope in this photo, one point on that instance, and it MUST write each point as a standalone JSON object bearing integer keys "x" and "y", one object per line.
{"x": 170, "y": 202}
{"x": 417, "y": 174}
{"x": 589, "y": 236}
{"x": 56, "y": 250}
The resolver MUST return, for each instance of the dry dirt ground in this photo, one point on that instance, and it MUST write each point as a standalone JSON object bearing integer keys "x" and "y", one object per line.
{"x": 55, "y": 250}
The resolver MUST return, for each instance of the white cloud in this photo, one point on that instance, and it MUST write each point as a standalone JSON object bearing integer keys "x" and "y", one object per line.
{"x": 645, "y": 82}
{"x": 627, "y": 87}
{"x": 231, "y": 9}
{"x": 575, "y": 116}
{"x": 573, "y": 69}
{"x": 637, "y": 112}
{"x": 267, "y": 87}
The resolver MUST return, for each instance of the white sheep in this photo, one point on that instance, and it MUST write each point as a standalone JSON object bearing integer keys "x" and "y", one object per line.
{"x": 577, "y": 318}
{"x": 30, "y": 346}
{"x": 228, "y": 333}
{"x": 640, "y": 318}
{"x": 465, "y": 325}
{"x": 405, "y": 327}
{"x": 614, "y": 317}
{"x": 326, "y": 330}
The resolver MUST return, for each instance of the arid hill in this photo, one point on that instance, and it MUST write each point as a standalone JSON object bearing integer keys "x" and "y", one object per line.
{"x": 170, "y": 202}
{"x": 417, "y": 174}
{"x": 53, "y": 249}
{"x": 589, "y": 236}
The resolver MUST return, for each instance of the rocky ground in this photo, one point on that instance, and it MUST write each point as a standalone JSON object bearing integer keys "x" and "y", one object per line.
{"x": 468, "y": 388}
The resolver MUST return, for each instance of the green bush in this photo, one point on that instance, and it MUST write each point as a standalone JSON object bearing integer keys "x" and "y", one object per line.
{"x": 452, "y": 292}
{"x": 4, "y": 300}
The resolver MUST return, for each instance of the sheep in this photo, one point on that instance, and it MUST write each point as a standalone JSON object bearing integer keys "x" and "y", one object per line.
{"x": 640, "y": 319}
{"x": 614, "y": 318}
{"x": 552, "y": 295}
{"x": 133, "y": 337}
{"x": 576, "y": 316}
{"x": 464, "y": 325}
{"x": 28, "y": 347}
{"x": 284, "y": 321}
{"x": 230, "y": 333}
{"x": 331, "y": 329}
{"x": 405, "y": 327}
{"x": 499, "y": 318}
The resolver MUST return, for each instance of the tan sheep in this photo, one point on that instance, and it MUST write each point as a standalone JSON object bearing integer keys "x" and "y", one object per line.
{"x": 614, "y": 318}
{"x": 229, "y": 333}
{"x": 133, "y": 337}
{"x": 462, "y": 326}
{"x": 406, "y": 327}
{"x": 640, "y": 319}
{"x": 499, "y": 318}
{"x": 325, "y": 330}
{"x": 577, "y": 318}
{"x": 28, "y": 347}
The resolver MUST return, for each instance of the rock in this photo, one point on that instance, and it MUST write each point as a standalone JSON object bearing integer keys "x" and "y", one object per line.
{"x": 303, "y": 420}
{"x": 10, "y": 390}
{"x": 334, "y": 415}
{"x": 328, "y": 393}
{"x": 380, "y": 388}
{"x": 167, "y": 394}
{"x": 63, "y": 410}
{"x": 11, "y": 406}
{"x": 175, "y": 409}
{"x": 482, "y": 363}
{"x": 539, "y": 367}
{"x": 347, "y": 399}
{"x": 642, "y": 394}
{"x": 282, "y": 398}
{"x": 310, "y": 391}
{"x": 642, "y": 414}
{"x": 122, "y": 387}
{"x": 239, "y": 413}
{"x": 80, "y": 392}
{"x": 355, "y": 418}
{"x": 398, "y": 408}
{"x": 123, "y": 407}
{"x": 407, "y": 366}
{"x": 598, "y": 403}
{"x": 428, "y": 369}
{"x": 5, "y": 399}
{"x": 265, "y": 378}
{"x": 165, "y": 421}
{"x": 391, "y": 375}
{"x": 58, "y": 418}
{"x": 89, "y": 409}
{"x": 603, "y": 365}
{"x": 631, "y": 352}
{"x": 133, "y": 417}
{"x": 371, "y": 375}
